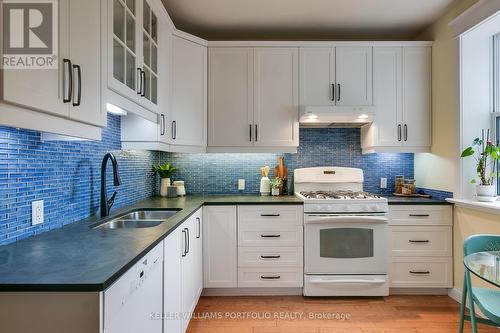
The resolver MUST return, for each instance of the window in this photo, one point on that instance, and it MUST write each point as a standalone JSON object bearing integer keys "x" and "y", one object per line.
{"x": 496, "y": 94}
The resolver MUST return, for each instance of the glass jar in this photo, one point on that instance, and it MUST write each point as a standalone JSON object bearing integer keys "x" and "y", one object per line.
{"x": 409, "y": 187}
{"x": 399, "y": 184}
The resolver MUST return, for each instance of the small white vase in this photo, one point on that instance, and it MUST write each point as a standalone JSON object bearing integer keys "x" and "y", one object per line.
{"x": 275, "y": 191}
{"x": 265, "y": 186}
{"x": 488, "y": 191}
{"x": 165, "y": 183}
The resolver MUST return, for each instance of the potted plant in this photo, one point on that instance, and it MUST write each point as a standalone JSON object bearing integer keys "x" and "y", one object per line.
{"x": 276, "y": 184}
{"x": 486, "y": 154}
{"x": 165, "y": 171}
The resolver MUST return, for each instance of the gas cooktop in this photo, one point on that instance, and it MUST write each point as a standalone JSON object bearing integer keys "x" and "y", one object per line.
{"x": 343, "y": 195}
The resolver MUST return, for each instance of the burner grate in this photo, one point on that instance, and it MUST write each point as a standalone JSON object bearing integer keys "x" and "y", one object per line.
{"x": 345, "y": 195}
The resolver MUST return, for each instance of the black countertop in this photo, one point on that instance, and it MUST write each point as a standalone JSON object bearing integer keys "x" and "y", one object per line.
{"x": 395, "y": 200}
{"x": 79, "y": 258}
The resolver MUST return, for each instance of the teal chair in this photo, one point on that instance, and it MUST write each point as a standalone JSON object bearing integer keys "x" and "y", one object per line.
{"x": 487, "y": 300}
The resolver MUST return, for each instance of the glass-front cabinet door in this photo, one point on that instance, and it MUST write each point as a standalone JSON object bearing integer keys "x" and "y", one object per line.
{"x": 123, "y": 65}
{"x": 150, "y": 53}
{"x": 133, "y": 51}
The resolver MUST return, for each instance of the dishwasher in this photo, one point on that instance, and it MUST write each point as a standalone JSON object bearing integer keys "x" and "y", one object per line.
{"x": 133, "y": 302}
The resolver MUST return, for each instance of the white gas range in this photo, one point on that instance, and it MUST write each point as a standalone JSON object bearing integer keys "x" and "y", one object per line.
{"x": 345, "y": 233}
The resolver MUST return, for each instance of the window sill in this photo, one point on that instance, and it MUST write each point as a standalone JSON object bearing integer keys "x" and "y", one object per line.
{"x": 487, "y": 207}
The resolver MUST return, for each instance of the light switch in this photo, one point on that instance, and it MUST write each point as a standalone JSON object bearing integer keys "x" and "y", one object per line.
{"x": 241, "y": 184}
{"x": 383, "y": 182}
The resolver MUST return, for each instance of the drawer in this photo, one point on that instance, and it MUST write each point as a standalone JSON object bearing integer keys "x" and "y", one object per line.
{"x": 416, "y": 241}
{"x": 420, "y": 215}
{"x": 271, "y": 215}
{"x": 421, "y": 272}
{"x": 270, "y": 277}
{"x": 270, "y": 256}
{"x": 265, "y": 235}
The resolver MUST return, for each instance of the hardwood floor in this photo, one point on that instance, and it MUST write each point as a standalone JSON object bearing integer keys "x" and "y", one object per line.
{"x": 290, "y": 314}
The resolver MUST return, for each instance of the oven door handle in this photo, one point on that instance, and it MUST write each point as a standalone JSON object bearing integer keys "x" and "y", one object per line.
{"x": 347, "y": 281}
{"x": 348, "y": 219}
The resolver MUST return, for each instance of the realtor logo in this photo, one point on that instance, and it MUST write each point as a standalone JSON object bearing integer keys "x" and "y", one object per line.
{"x": 29, "y": 34}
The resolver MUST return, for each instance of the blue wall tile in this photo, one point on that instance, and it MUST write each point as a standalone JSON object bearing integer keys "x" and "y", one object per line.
{"x": 218, "y": 173}
{"x": 66, "y": 175}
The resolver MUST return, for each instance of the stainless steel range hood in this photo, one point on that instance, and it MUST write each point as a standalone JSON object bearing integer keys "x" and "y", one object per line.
{"x": 336, "y": 116}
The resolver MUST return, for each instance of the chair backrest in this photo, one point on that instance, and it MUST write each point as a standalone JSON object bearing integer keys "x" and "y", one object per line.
{"x": 480, "y": 243}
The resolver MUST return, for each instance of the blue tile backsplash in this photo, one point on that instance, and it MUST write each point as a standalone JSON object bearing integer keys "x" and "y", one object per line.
{"x": 219, "y": 173}
{"x": 66, "y": 174}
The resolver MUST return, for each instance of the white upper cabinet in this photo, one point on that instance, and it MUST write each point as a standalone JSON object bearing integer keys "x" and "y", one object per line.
{"x": 253, "y": 98}
{"x": 401, "y": 94}
{"x": 230, "y": 91}
{"x": 133, "y": 53}
{"x": 317, "y": 76}
{"x": 336, "y": 76}
{"x": 72, "y": 92}
{"x": 417, "y": 96}
{"x": 188, "y": 116}
{"x": 276, "y": 100}
{"x": 353, "y": 75}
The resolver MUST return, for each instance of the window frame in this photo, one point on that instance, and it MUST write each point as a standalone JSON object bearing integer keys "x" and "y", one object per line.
{"x": 495, "y": 116}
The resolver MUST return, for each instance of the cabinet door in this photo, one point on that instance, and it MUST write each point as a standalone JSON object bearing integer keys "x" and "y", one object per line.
{"x": 84, "y": 52}
{"x": 276, "y": 110}
{"x": 172, "y": 294}
{"x": 417, "y": 96}
{"x": 42, "y": 90}
{"x": 353, "y": 74}
{"x": 123, "y": 46}
{"x": 230, "y": 111}
{"x": 198, "y": 254}
{"x": 189, "y": 116}
{"x": 387, "y": 96}
{"x": 317, "y": 76}
{"x": 149, "y": 36}
{"x": 188, "y": 269}
{"x": 219, "y": 247}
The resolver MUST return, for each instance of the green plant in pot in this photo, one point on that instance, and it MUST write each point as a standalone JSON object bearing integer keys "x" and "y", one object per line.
{"x": 276, "y": 184}
{"x": 486, "y": 154}
{"x": 165, "y": 171}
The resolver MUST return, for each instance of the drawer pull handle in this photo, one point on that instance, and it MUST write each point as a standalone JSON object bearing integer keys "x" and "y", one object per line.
{"x": 271, "y": 257}
{"x": 420, "y": 272}
{"x": 270, "y": 236}
{"x": 420, "y": 215}
{"x": 270, "y": 277}
{"x": 419, "y": 241}
{"x": 270, "y": 215}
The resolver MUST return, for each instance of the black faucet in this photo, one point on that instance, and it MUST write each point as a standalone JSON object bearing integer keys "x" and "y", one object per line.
{"x": 105, "y": 203}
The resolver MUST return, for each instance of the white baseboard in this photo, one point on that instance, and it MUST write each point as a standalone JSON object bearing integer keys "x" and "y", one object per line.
{"x": 251, "y": 291}
{"x": 418, "y": 291}
{"x": 455, "y": 294}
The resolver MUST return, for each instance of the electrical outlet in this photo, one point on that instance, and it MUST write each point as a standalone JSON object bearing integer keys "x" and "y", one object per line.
{"x": 383, "y": 182}
{"x": 37, "y": 212}
{"x": 241, "y": 184}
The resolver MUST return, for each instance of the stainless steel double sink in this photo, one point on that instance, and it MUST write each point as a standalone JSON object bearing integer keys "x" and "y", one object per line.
{"x": 141, "y": 218}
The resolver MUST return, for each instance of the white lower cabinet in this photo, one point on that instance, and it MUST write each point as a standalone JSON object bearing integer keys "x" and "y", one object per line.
{"x": 421, "y": 246}
{"x": 270, "y": 247}
{"x": 253, "y": 246}
{"x": 183, "y": 281}
{"x": 220, "y": 262}
{"x": 130, "y": 301}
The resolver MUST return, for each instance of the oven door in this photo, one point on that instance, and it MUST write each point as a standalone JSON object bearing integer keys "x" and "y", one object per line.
{"x": 346, "y": 244}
